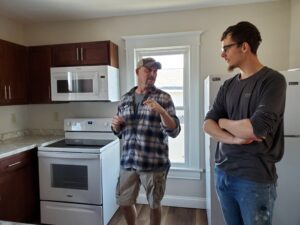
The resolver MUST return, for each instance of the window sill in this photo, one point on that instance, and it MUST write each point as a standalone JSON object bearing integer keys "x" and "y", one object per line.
{"x": 186, "y": 173}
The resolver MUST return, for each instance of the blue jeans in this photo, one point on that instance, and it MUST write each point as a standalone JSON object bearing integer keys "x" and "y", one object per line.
{"x": 244, "y": 202}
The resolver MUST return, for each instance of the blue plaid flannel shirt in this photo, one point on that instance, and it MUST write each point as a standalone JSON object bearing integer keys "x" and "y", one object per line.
{"x": 145, "y": 138}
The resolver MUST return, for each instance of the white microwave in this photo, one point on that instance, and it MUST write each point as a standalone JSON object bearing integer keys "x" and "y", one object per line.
{"x": 85, "y": 83}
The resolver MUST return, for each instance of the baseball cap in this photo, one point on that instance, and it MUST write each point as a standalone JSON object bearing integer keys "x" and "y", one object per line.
{"x": 148, "y": 63}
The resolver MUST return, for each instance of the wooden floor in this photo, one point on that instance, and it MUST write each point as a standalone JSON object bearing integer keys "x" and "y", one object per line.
{"x": 170, "y": 216}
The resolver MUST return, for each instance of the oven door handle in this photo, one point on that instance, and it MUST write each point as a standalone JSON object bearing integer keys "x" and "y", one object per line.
{"x": 64, "y": 155}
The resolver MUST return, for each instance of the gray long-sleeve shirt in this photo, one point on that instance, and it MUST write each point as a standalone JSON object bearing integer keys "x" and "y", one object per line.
{"x": 260, "y": 98}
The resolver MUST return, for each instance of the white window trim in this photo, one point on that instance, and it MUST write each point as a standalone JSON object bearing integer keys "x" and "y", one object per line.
{"x": 175, "y": 50}
{"x": 164, "y": 40}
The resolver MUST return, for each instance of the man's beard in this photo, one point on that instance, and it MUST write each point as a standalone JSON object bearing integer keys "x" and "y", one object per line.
{"x": 147, "y": 85}
{"x": 150, "y": 84}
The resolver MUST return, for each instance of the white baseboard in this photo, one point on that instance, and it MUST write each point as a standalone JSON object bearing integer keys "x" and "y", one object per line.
{"x": 177, "y": 201}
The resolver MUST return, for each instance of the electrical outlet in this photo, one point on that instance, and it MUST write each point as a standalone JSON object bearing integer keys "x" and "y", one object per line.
{"x": 13, "y": 118}
{"x": 55, "y": 116}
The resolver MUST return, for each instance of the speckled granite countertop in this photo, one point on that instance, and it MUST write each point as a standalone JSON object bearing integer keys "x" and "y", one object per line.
{"x": 20, "y": 144}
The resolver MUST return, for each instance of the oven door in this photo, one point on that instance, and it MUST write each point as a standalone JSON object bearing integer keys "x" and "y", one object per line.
{"x": 70, "y": 177}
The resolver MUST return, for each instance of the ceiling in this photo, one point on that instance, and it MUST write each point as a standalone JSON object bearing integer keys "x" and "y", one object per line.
{"x": 38, "y": 11}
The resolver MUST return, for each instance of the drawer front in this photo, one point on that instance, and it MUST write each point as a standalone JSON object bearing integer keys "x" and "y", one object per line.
{"x": 17, "y": 161}
{"x": 70, "y": 214}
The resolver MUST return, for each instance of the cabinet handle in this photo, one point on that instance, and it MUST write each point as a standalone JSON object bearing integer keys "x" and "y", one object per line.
{"x": 77, "y": 54}
{"x": 81, "y": 53}
{"x": 14, "y": 164}
{"x": 9, "y": 93}
{"x": 5, "y": 95}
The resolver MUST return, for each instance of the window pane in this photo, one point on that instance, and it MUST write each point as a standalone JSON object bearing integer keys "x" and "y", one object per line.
{"x": 176, "y": 145}
{"x": 177, "y": 96}
{"x": 170, "y": 79}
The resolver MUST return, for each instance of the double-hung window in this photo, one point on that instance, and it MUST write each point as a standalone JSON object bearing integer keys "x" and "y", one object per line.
{"x": 171, "y": 79}
{"x": 179, "y": 55}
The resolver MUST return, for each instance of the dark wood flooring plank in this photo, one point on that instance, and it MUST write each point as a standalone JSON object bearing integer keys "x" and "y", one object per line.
{"x": 170, "y": 216}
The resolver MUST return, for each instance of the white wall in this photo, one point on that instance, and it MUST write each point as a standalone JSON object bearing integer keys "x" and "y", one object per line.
{"x": 51, "y": 116}
{"x": 13, "y": 118}
{"x": 273, "y": 19}
{"x": 11, "y": 31}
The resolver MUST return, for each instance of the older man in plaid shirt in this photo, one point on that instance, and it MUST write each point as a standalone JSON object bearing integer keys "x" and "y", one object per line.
{"x": 145, "y": 118}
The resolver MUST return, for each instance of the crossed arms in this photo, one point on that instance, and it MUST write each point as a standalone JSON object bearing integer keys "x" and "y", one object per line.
{"x": 231, "y": 131}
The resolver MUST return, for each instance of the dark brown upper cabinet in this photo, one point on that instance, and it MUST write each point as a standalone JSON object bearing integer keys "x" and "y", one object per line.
{"x": 39, "y": 61}
{"x": 13, "y": 73}
{"x": 83, "y": 54}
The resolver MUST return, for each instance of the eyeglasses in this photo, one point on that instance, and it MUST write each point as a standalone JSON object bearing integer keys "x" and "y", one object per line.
{"x": 226, "y": 47}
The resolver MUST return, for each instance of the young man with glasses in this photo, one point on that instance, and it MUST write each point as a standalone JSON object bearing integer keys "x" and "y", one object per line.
{"x": 145, "y": 118}
{"x": 247, "y": 121}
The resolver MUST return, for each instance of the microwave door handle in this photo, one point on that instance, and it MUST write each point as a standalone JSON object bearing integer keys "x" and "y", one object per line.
{"x": 101, "y": 81}
{"x": 63, "y": 155}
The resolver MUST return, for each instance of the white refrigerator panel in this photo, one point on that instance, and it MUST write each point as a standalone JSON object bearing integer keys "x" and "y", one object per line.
{"x": 286, "y": 209}
{"x": 214, "y": 214}
{"x": 212, "y": 84}
{"x": 292, "y": 108}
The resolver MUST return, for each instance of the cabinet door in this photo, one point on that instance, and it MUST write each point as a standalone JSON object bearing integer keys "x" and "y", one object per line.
{"x": 66, "y": 55}
{"x": 95, "y": 53}
{"x": 18, "y": 79}
{"x": 13, "y": 70}
{"x": 114, "y": 55}
{"x": 39, "y": 74}
{"x": 19, "y": 195}
{"x": 88, "y": 53}
{"x": 6, "y": 70}
{"x": 99, "y": 53}
{"x": 2, "y": 85}
{"x": 2, "y": 90}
